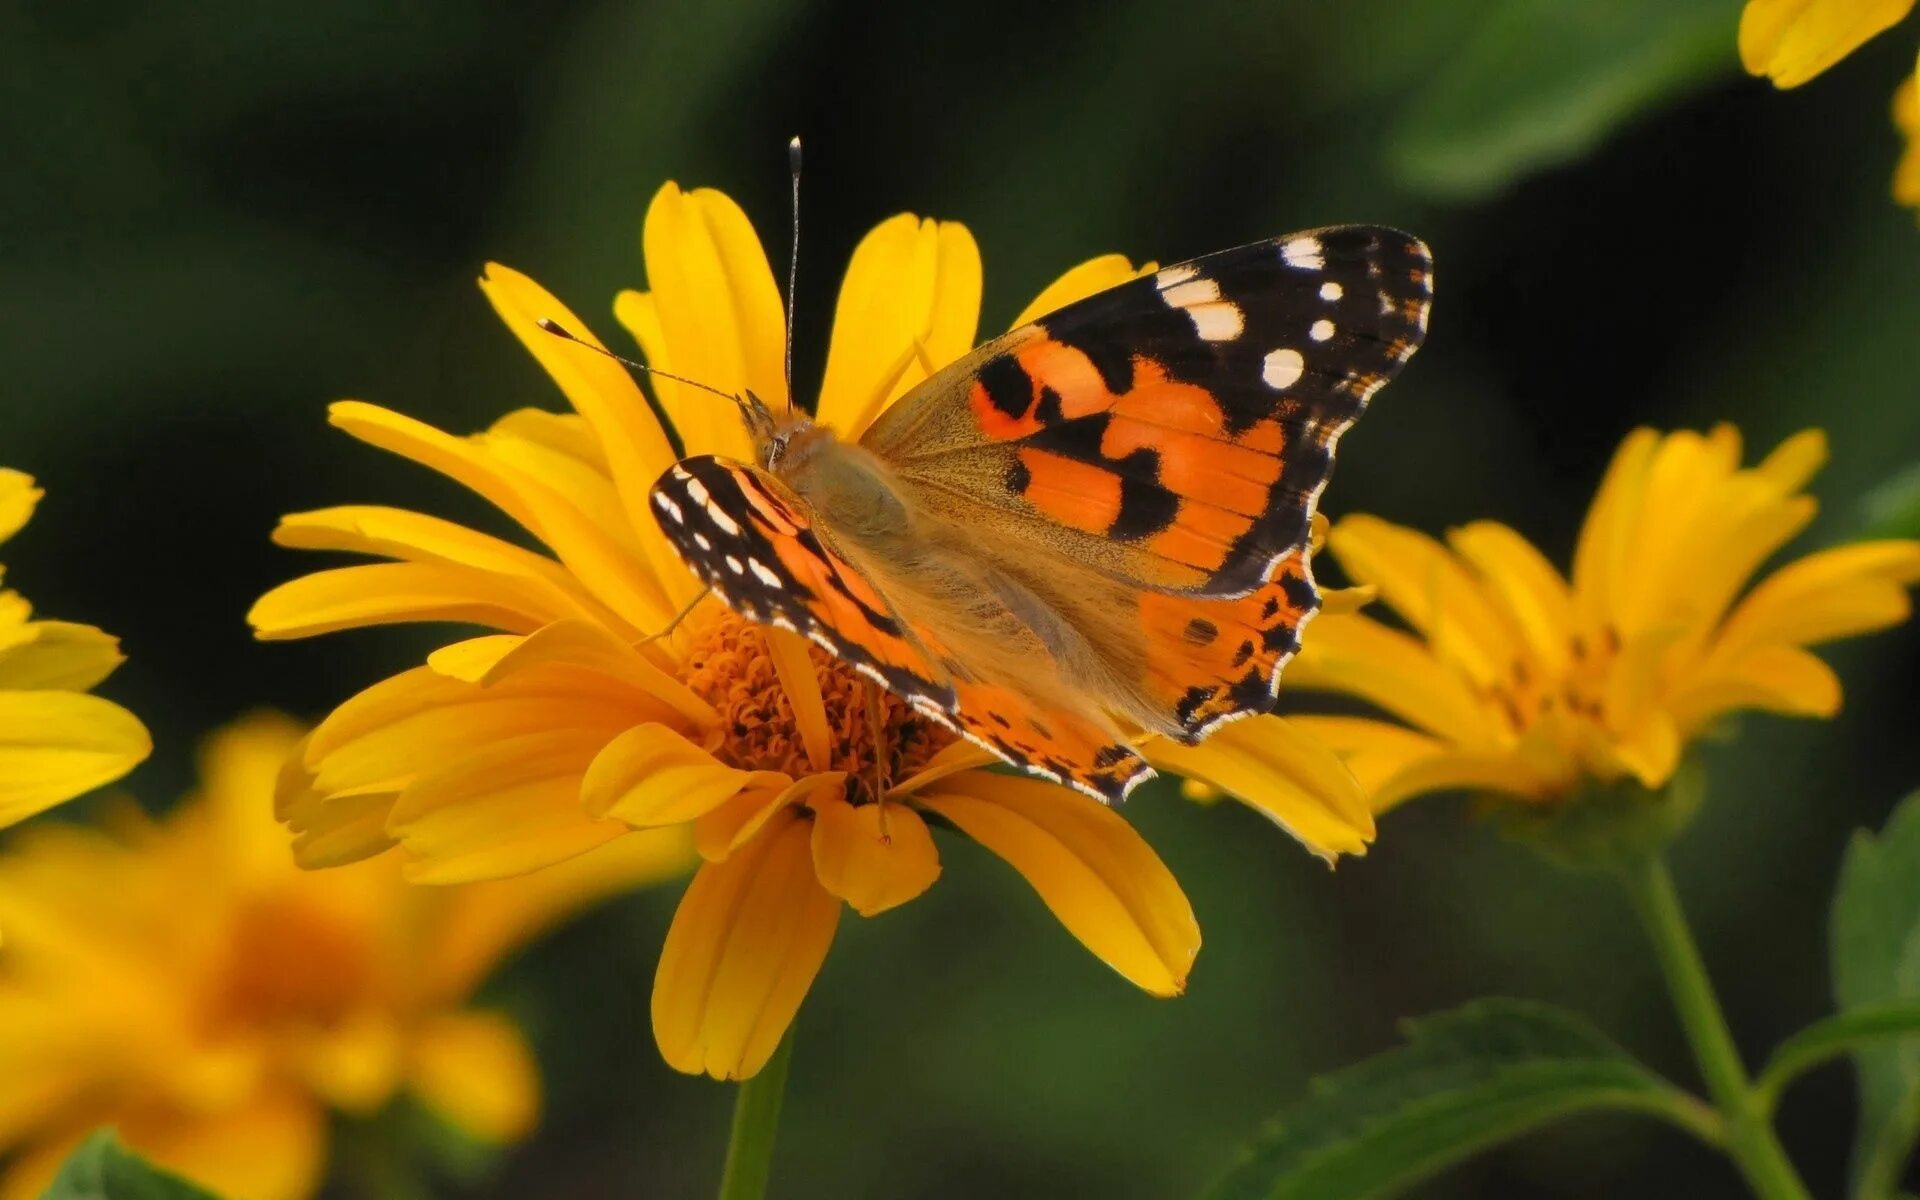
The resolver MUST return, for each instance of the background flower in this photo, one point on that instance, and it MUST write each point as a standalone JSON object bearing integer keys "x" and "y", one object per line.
{"x": 802, "y": 785}
{"x": 1513, "y": 681}
{"x": 184, "y": 981}
{"x": 55, "y": 740}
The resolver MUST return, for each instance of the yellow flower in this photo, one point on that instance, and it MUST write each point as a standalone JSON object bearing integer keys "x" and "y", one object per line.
{"x": 55, "y": 740}
{"x": 1791, "y": 41}
{"x": 1906, "y": 118}
{"x": 185, "y": 982}
{"x": 1516, "y": 682}
{"x": 573, "y": 726}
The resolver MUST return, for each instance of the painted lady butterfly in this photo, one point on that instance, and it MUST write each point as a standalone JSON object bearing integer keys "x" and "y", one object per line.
{"x": 1091, "y": 526}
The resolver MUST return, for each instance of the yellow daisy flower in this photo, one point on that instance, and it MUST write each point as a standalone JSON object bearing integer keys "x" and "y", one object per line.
{"x": 55, "y": 740}
{"x": 184, "y": 982}
{"x": 1791, "y": 41}
{"x": 573, "y": 725}
{"x": 1906, "y": 118}
{"x": 1516, "y": 682}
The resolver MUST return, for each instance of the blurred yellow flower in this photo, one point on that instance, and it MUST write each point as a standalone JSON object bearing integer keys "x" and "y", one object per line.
{"x": 1906, "y": 118}
{"x": 1791, "y": 41}
{"x": 1515, "y": 682}
{"x": 803, "y": 786}
{"x": 55, "y": 740}
{"x": 184, "y": 981}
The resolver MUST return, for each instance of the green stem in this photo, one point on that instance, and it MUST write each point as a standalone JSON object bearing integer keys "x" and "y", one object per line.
{"x": 756, "y": 1119}
{"x": 1750, "y": 1140}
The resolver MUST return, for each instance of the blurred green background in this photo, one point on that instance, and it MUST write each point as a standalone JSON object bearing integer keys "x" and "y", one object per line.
{"x": 216, "y": 218}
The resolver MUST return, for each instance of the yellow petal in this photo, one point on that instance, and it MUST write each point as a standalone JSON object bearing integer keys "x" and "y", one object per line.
{"x": 1430, "y": 588}
{"x": 420, "y": 720}
{"x": 56, "y": 745}
{"x": 1607, "y": 534}
{"x": 57, "y": 656}
{"x": 746, "y": 943}
{"x": 17, "y": 499}
{"x": 1528, "y": 586}
{"x": 415, "y": 537}
{"x": 873, "y": 856}
{"x": 794, "y": 664}
{"x": 911, "y": 282}
{"x": 599, "y": 389}
{"x": 589, "y": 647}
{"x": 476, "y": 1071}
{"x": 397, "y": 593}
{"x": 272, "y": 1149}
{"x": 638, "y": 589}
{"x": 1079, "y": 282}
{"x": 1103, "y": 882}
{"x": 1774, "y": 678}
{"x": 720, "y": 831}
{"x": 650, "y": 775}
{"x": 715, "y": 318}
{"x": 501, "y": 809}
{"x": 1455, "y": 771}
{"x": 1795, "y": 461}
{"x": 1791, "y": 41}
{"x": 471, "y": 660}
{"x": 1906, "y": 118}
{"x": 1362, "y": 657}
{"x": 353, "y": 1063}
{"x": 1830, "y": 594}
{"x": 1375, "y": 751}
{"x": 1284, "y": 773}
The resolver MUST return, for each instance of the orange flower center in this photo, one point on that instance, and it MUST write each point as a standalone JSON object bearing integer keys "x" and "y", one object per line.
{"x": 873, "y": 735}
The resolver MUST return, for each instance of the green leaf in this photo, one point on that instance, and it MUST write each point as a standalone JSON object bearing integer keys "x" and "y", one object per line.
{"x": 1831, "y": 1038}
{"x": 1876, "y": 960}
{"x": 1465, "y": 1080}
{"x": 1542, "y": 82}
{"x": 102, "y": 1169}
{"x": 1893, "y": 508}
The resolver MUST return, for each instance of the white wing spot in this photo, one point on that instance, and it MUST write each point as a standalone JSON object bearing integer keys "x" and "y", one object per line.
{"x": 719, "y": 517}
{"x": 764, "y": 575}
{"x": 1303, "y": 253}
{"x": 1220, "y": 322}
{"x": 735, "y": 565}
{"x": 1174, "y": 275}
{"x": 1282, "y": 369}
{"x": 1331, "y": 291}
{"x": 1190, "y": 293}
{"x": 698, "y": 490}
{"x": 665, "y": 504}
{"x": 680, "y": 473}
{"x": 700, "y": 540}
{"x": 1321, "y": 331}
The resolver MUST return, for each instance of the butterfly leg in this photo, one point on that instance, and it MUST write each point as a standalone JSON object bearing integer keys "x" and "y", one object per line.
{"x": 678, "y": 617}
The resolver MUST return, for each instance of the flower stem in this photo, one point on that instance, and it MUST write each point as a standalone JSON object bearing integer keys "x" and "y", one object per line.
{"x": 756, "y": 1119}
{"x": 1750, "y": 1140}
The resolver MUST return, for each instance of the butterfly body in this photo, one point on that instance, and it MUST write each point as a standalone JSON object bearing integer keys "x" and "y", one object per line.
{"x": 1090, "y": 528}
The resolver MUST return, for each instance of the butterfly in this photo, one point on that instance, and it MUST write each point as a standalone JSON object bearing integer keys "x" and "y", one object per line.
{"x": 1088, "y": 528}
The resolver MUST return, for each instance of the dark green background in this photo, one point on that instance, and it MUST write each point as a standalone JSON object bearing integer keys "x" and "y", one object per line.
{"x": 216, "y": 218}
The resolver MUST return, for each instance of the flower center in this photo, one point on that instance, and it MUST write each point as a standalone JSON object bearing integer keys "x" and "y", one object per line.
{"x": 872, "y": 735}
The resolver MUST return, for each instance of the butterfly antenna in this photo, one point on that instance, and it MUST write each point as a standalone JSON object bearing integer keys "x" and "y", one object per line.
{"x": 793, "y": 260}
{"x": 560, "y": 331}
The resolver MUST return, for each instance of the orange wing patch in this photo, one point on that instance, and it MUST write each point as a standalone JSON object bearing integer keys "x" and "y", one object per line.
{"x": 1211, "y": 661}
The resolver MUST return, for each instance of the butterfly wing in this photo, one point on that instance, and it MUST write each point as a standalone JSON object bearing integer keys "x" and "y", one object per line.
{"x": 754, "y": 542}
{"x": 760, "y": 546}
{"x": 1175, "y": 433}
